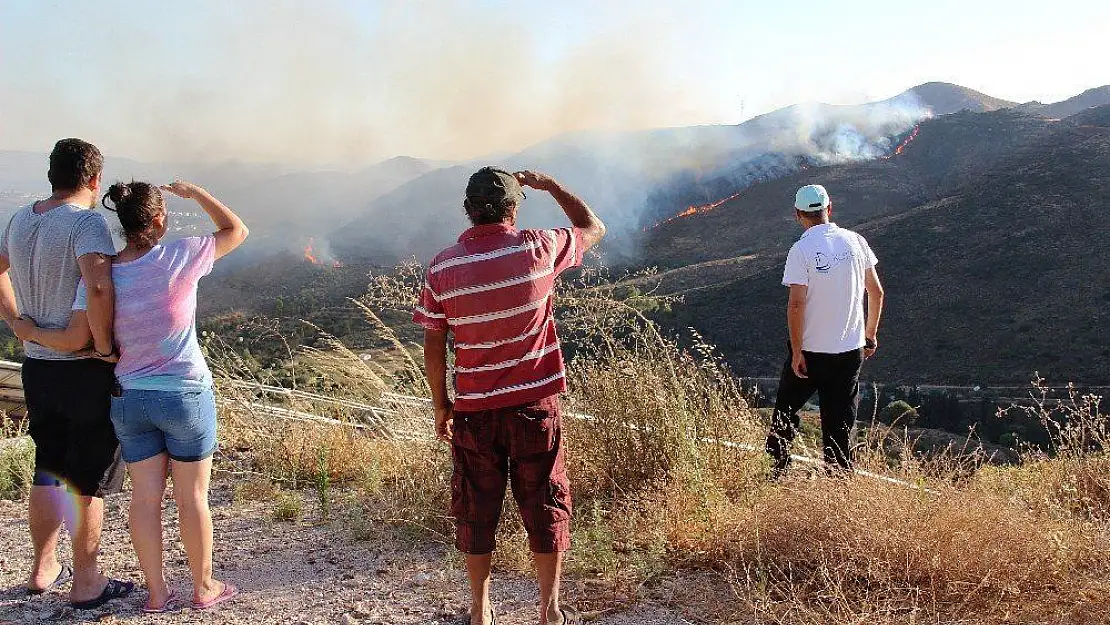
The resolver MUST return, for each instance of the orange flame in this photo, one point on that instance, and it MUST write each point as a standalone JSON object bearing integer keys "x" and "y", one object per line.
{"x": 695, "y": 210}
{"x": 905, "y": 142}
{"x": 314, "y": 257}
{"x": 310, "y": 254}
{"x": 705, "y": 208}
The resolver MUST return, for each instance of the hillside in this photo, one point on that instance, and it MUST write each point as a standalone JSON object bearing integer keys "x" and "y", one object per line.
{"x": 291, "y": 211}
{"x": 637, "y": 179}
{"x": 932, "y": 209}
{"x": 1089, "y": 99}
{"x": 285, "y": 206}
{"x": 945, "y": 98}
{"x": 949, "y": 152}
{"x": 985, "y": 228}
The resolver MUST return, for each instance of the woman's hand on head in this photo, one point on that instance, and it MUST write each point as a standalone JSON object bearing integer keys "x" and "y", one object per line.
{"x": 183, "y": 189}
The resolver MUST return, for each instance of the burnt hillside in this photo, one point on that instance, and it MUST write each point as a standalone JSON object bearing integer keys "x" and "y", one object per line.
{"x": 948, "y": 153}
{"x": 989, "y": 229}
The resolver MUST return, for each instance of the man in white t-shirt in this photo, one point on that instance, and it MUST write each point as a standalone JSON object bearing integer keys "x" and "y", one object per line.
{"x": 828, "y": 271}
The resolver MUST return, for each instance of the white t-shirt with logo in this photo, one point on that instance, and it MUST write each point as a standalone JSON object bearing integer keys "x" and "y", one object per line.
{"x": 832, "y": 262}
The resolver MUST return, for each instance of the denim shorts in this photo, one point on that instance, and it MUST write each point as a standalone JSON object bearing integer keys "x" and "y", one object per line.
{"x": 181, "y": 423}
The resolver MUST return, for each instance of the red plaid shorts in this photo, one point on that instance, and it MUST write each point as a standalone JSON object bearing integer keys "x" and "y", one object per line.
{"x": 523, "y": 446}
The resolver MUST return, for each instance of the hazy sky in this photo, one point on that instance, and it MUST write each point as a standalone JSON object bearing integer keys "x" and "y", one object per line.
{"x": 350, "y": 82}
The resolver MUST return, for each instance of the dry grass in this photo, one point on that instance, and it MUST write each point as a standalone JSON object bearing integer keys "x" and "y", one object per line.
{"x": 866, "y": 551}
{"x": 288, "y": 507}
{"x": 17, "y": 459}
{"x": 1071, "y": 479}
{"x": 655, "y": 489}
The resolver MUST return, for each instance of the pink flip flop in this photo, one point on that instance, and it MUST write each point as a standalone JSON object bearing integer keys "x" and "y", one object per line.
{"x": 165, "y": 607}
{"x": 229, "y": 593}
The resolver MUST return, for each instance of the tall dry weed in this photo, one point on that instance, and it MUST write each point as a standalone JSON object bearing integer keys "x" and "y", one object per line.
{"x": 863, "y": 549}
{"x": 667, "y": 473}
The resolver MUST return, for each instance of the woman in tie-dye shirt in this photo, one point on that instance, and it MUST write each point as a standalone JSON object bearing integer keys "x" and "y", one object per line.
{"x": 164, "y": 410}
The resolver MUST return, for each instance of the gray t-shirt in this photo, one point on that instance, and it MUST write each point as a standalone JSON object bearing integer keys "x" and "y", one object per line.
{"x": 42, "y": 250}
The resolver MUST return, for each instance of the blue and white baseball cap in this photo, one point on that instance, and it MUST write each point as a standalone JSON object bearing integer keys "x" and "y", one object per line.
{"x": 812, "y": 198}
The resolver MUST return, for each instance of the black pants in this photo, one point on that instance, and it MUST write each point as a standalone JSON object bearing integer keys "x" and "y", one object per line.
{"x": 69, "y": 405}
{"x": 835, "y": 379}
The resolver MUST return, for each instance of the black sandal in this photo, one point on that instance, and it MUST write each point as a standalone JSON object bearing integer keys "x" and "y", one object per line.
{"x": 64, "y": 576}
{"x": 115, "y": 589}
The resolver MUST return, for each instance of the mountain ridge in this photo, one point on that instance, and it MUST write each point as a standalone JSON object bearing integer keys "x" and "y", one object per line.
{"x": 1089, "y": 99}
{"x": 946, "y": 98}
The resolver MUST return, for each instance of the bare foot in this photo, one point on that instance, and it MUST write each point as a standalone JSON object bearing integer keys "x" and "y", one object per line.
{"x": 87, "y": 590}
{"x": 214, "y": 588}
{"x": 158, "y": 597}
{"x": 483, "y": 618}
{"x": 41, "y": 579}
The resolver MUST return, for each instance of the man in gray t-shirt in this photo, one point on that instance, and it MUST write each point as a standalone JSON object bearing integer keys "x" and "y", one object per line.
{"x": 43, "y": 250}
{"x": 47, "y": 248}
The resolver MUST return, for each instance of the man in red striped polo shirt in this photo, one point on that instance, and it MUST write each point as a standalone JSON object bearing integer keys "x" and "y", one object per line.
{"x": 493, "y": 291}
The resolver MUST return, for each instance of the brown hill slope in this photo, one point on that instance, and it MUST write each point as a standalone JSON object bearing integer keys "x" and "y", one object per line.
{"x": 947, "y": 153}
{"x": 945, "y": 98}
{"x": 1089, "y": 99}
{"x": 995, "y": 271}
{"x": 640, "y": 177}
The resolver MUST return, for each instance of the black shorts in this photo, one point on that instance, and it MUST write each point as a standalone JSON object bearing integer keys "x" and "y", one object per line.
{"x": 69, "y": 405}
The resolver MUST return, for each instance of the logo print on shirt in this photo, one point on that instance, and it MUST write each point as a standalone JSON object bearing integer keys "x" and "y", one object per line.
{"x": 821, "y": 263}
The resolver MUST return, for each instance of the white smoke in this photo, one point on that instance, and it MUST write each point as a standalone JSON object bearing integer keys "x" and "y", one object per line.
{"x": 636, "y": 179}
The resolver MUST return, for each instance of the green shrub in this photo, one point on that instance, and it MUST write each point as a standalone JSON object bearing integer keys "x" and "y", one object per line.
{"x": 899, "y": 413}
{"x": 289, "y": 507}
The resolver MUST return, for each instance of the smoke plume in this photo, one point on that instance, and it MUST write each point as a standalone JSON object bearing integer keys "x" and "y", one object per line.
{"x": 336, "y": 83}
{"x": 348, "y": 84}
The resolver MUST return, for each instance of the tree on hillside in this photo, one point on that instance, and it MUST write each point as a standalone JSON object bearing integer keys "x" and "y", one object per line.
{"x": 898, "y": 413}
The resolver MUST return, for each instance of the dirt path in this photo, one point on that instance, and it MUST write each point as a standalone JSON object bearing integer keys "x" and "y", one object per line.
{"x": 297, "y": 573}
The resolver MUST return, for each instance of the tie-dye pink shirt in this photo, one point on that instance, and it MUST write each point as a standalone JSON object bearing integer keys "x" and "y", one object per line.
{"x": 156, "y": 309}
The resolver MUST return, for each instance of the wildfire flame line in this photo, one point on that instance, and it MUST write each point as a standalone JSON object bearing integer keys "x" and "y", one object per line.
{"x": 905, "y": 142}
{"x": 695, "y": 210}
{"x": 705, "y": 208}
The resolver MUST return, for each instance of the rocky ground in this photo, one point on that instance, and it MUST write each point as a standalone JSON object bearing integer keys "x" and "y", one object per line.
{"x": 298, "y": 572}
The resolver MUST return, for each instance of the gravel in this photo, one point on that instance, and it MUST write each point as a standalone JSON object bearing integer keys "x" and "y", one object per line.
{"x": 290, "y": 572}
